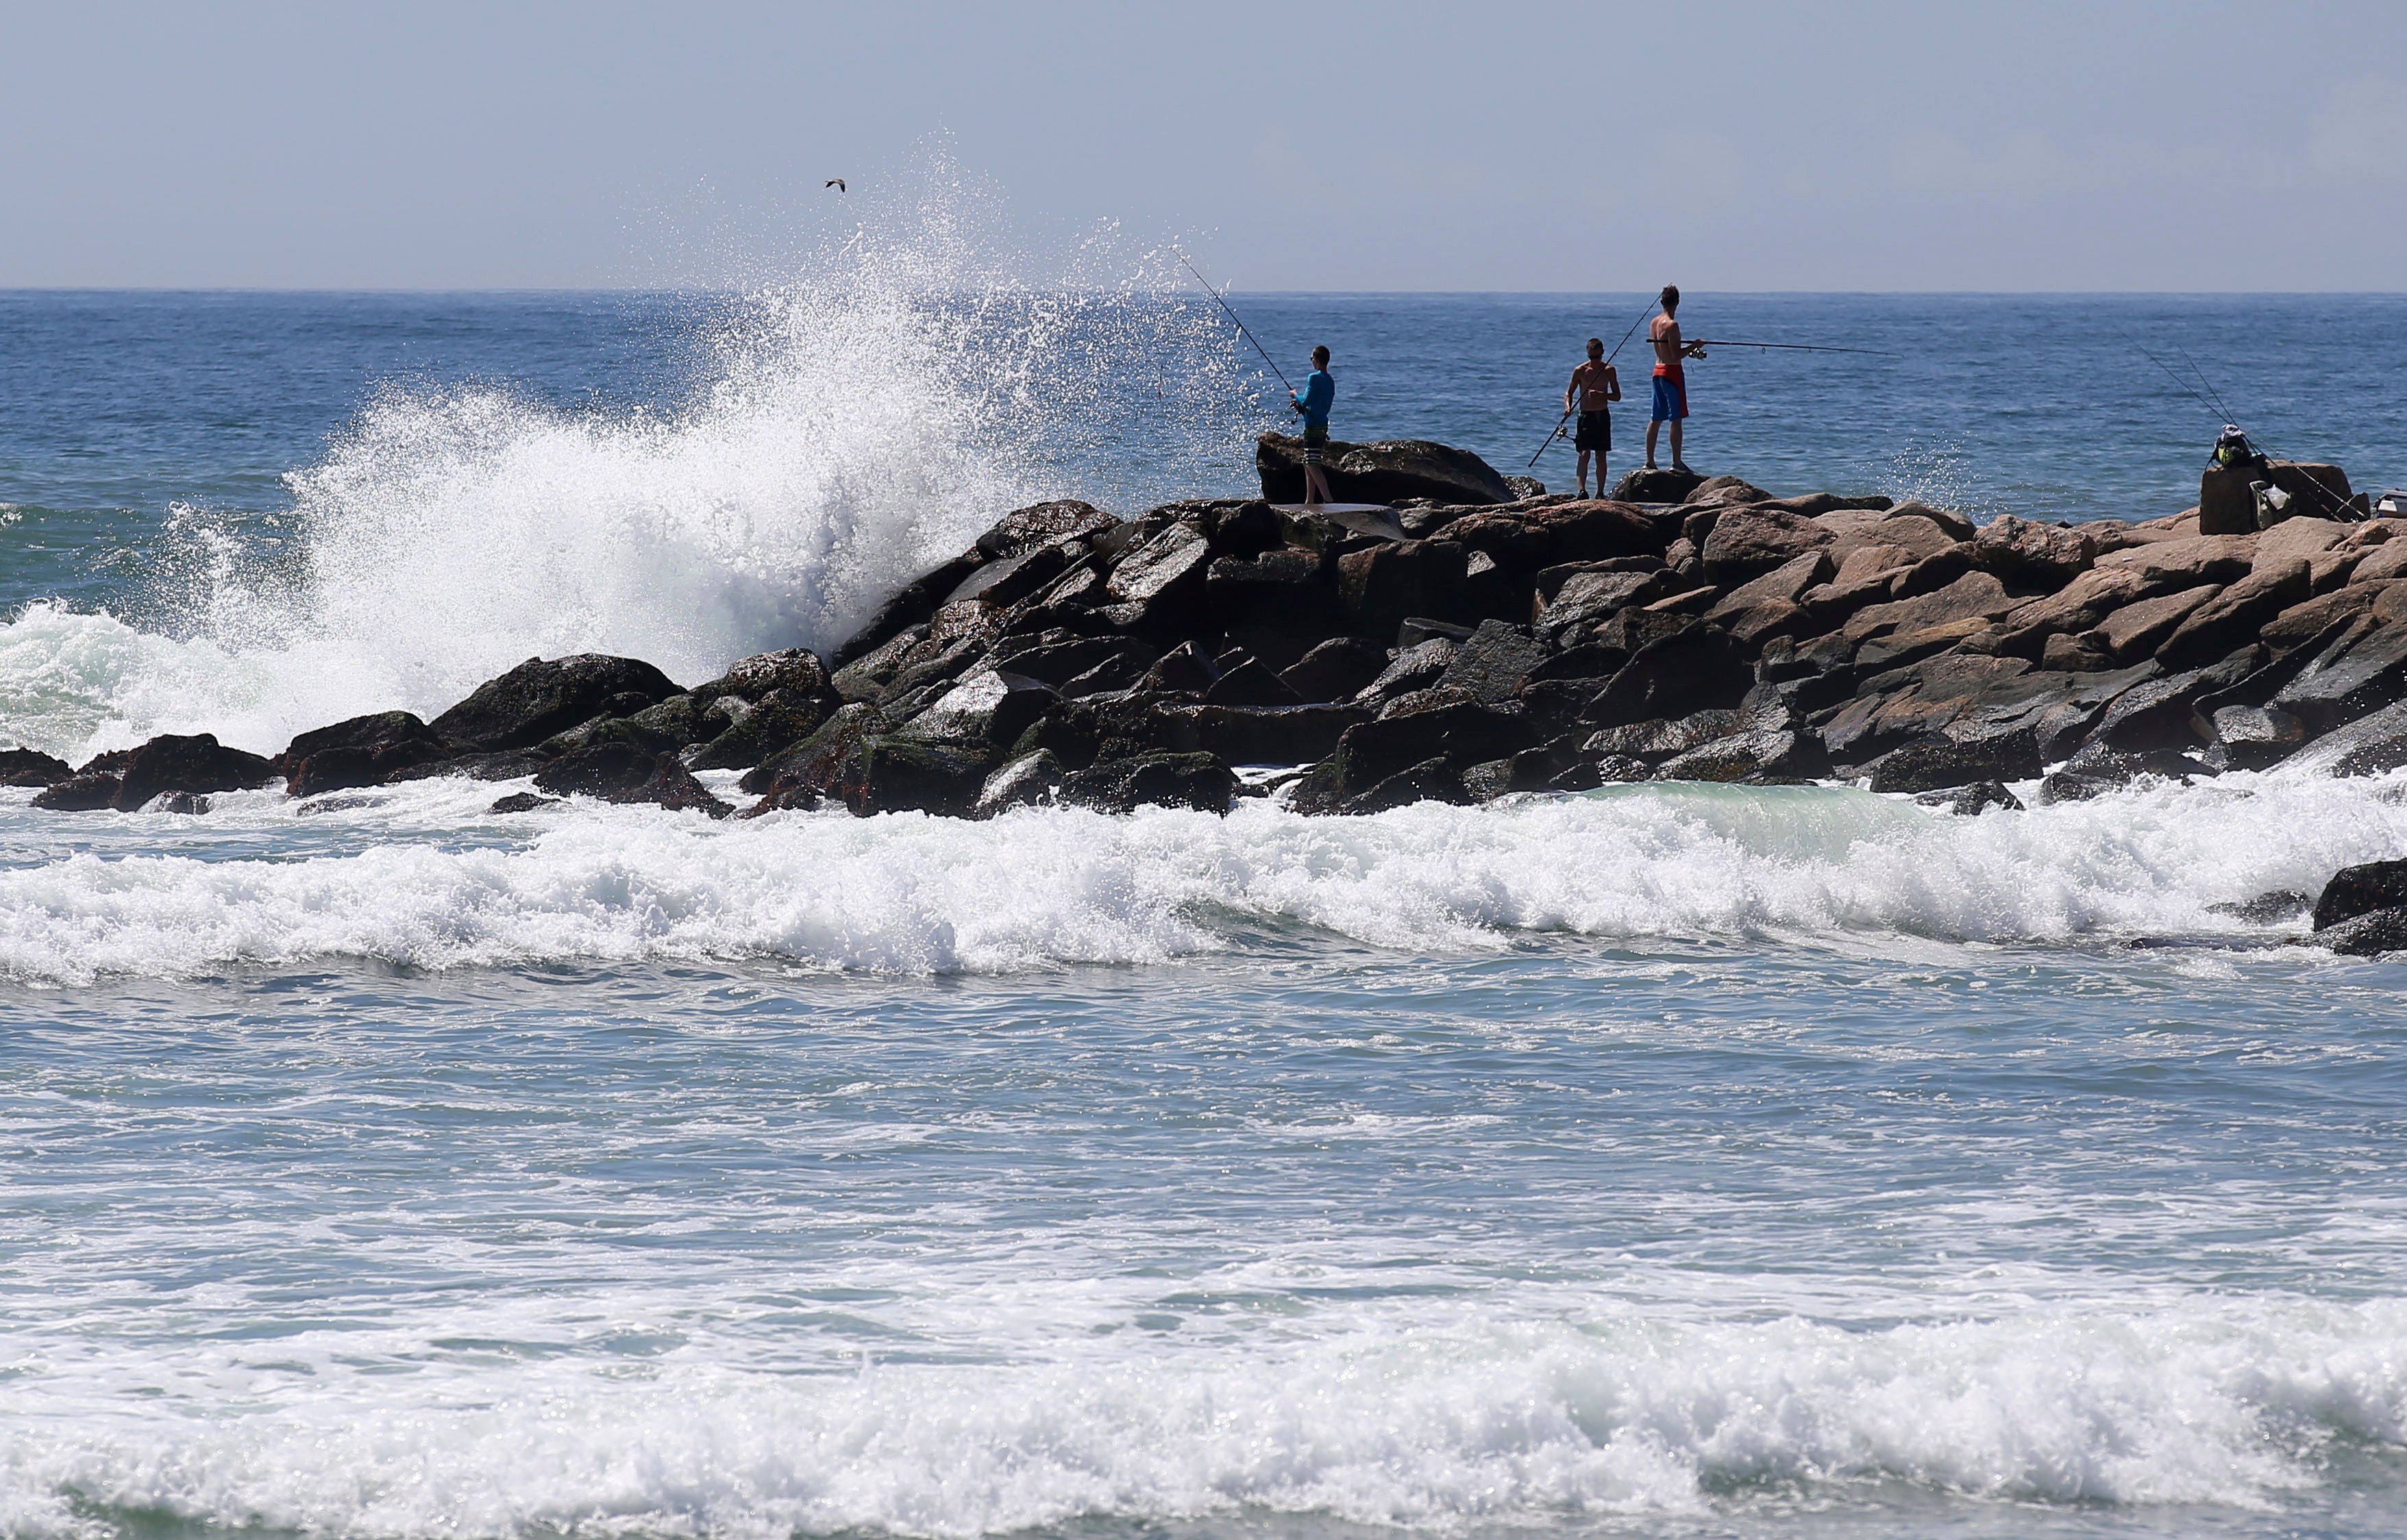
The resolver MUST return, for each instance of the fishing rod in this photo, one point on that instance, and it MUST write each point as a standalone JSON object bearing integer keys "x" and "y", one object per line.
{"x": 2216, "y": 406}
{"x": 1568, "y": 410}
{"x": 1702, "y": 342}
{"x": 1241, "y": 324}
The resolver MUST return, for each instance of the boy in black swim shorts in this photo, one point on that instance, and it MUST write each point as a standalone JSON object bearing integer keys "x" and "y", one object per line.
{"x": 1595, "y": 386}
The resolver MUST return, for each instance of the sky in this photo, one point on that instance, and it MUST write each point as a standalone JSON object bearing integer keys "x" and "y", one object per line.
{"x": 1303, "y": 146}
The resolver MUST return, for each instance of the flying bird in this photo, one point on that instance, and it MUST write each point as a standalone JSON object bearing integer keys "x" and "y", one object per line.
{"x": 837, "y": 182}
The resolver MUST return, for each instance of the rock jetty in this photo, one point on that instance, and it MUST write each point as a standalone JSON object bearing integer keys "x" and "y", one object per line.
{"x": 1478, "y": 638}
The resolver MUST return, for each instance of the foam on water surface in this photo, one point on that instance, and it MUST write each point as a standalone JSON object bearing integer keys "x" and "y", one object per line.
{"x": 167, "y": 895}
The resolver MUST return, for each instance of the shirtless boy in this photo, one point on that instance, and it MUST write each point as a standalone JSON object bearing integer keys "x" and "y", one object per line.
{"x": 1670, "y": 385}
{"x": 1595, "y": 386}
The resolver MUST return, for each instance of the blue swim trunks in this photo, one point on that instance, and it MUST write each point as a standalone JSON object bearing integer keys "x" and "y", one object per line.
{"x": 1671, "y": 393}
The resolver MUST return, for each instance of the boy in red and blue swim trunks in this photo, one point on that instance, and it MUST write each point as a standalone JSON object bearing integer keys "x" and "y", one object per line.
{"x": 1671, "y": 384}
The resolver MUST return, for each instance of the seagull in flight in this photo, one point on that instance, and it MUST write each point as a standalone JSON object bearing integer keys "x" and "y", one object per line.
{"x": 837, "y": 182}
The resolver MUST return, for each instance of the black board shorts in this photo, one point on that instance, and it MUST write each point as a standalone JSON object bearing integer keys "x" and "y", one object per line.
{"x": 1315, "y": 440}
{"x": 1595, "y": 431}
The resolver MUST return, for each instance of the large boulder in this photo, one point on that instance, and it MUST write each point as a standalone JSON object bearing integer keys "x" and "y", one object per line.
{"x": 1666, "y": 485}
{"x": 1202, "y": 781}
{"x": 1386, "y": 472}
{"x": 2361, "y": 890}
{"x": 622, "y": 773}
{"x": 1335, "y": 669}
{"x": 1689, "y": 670}
{"x": 778, "y": 720}
{"x": 192, "y": 764}
{"x": 896, "y": 775}
{"x": 32, "y": 767}
{"x": 983, "y": 714}
{"x": 2032, "y": 556}
{"x": 362, "y": 751}
{"x": 1938, "y": 763}
{"x": 2233, "y": 616}
{"x": 1157, "y": 585}
{"x": 541, "y": 697}
{"x": 1383, "y": 586}
{"x": 1024, "y": 530}
{"x": 794, "y": 669}
{"x": 1749, "y": 542}
{"x": 2357, "y": 674}
{"x": 1457, "y": 736}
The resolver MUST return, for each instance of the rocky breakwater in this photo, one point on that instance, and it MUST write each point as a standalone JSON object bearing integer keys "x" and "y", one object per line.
{"x": 1472, "y": 643}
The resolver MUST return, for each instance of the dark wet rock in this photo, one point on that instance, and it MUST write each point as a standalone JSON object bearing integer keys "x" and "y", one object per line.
{"x": 1289, "y": 734}
{"x": 1030, "y": 781}
{"x": 1159, "y": 585}
{"x": 2359, "y": 673}
{"x": 2315, "y": 488}
{"x": 1661, "y": 738}
{"x": 2254, "y": 738}
{"x": 1336, "y": 669}
{"x": 1383, "y": 586}
{"x": 521, "y": 802}
{"x": 1747, "y": 542}
{"x": 2161, "y": 713}
{"x": 868, "y": 675}
{"x": 1415, "y": 629}
{"x": 2095, "y": 773}
{"x": 1495, "y": 662}
{"x": 541, "y": 697}
{"x": 1249, "y": 683}
{"x": 1584, "y": 602}
{"x": 623, "y": 773}
{"x": 1024, "y": 530}
{"x": 1663, "y": 485}
{"x": 982, "y": 714}
{"x": 1763, "y": 753}
{"x": 782, "y": 718}
{"x": 1689, "y": 670}
{"x": 889, "y": 774}
{"x": 1461, "y": 735}
{"x": 808, "y": 769}
{"x": 1001, "y": 583}
{"x": 194, "y": 763}
{"x": 2374, "y": 934}
{"x": 912, "y": 606}
{"x": 1201, "y": 781}
{"x": 794, "y": 669}
{"x": 189, "y": 804}
{"x": 2266, "y": 908}
{"x": 32, "y": 767}
{"x": 1430, "y": 780}
{"x": 1386, "y": 472}
{"x": 2369, "y": 746}
{"x": 85, "y": 791}
{"x": 2361, "y": 890}
{"x": 1183, "y": 670}
{"x": 1414, "y": 667}
{"x": 339, "y": 805}
{"x": 1973, "y": 800}
{"x": 2022, "y": 554}
{"x": 1059, "y": 657}
{"x": 509, "y": 765}
{"x": 1280, "y": 598}
{"x": 362, "y": 751}
{"x": 1937, "y": 763}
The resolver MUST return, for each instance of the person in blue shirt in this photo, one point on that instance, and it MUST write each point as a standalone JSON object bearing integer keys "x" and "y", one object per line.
{"x": 1312, "y": 402}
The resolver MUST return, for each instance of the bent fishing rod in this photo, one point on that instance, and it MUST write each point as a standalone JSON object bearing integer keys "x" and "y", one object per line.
{"x": 1608, "y": 358}
{"x": 1241, "y": 329}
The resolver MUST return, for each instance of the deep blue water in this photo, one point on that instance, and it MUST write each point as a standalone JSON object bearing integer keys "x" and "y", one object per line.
{"x": 1669, "y": 1161}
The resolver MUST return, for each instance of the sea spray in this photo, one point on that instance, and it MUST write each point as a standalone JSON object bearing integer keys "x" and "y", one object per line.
{"x": 846, "y": 429}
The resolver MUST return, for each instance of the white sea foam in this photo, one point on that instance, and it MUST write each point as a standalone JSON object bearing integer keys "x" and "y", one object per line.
{"x": 910, "y": 893}
{"x": 846, "y": 430}
{"x": 386, "y": 1432}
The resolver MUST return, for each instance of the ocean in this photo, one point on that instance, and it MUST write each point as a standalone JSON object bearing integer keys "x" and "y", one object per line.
{"x": 1665, "y": 1160}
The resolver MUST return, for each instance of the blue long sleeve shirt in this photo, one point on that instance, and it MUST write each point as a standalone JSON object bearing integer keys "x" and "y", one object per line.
{"x": 1318, "y": 392}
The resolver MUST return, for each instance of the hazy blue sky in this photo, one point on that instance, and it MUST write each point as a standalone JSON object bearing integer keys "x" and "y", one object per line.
{"x": 1585, "y": 146}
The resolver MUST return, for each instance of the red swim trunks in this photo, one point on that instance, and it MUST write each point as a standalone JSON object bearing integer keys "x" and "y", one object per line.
{"x": 1670, "y": 392}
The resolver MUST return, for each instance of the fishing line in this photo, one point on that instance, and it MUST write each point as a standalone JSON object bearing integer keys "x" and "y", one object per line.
{"x": 2223, "y": 412}
{"x": 1549, "y": 444}
{"x": 1241, "y": 329}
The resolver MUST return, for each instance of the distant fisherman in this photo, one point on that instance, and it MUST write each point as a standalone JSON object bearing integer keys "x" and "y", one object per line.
{"x": 1313, "y": 401}
{"x": 1595, "y": 386}
{"x": 1671, "y": 384}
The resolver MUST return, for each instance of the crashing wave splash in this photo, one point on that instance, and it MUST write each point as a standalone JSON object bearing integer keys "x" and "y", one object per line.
{"x": 849, "y": 430}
